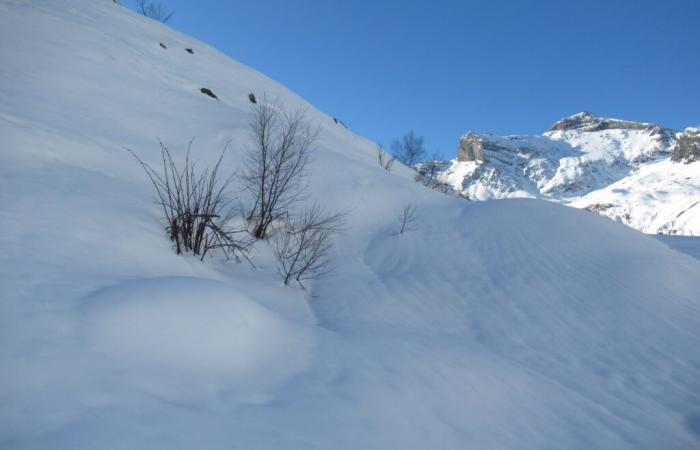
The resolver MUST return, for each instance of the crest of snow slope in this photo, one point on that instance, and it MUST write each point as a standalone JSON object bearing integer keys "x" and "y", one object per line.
{"x": 514, "y": 324}
{"x": 581, "y": 158}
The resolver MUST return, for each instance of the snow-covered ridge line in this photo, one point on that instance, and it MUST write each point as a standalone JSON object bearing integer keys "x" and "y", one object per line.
{"x": 638, "y": 173}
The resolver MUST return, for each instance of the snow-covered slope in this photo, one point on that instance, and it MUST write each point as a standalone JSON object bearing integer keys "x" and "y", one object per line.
{"x": 514, "y": 324}
{"x": 661, "y": 197}
{"x": 621, "y": 169}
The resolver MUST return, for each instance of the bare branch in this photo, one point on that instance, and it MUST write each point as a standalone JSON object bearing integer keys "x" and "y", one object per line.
{"x": 385, "y": 161}
{"x": 406, "y": 217}
{"x": 428, "y": 172}
{"x": 303, "y": 244}
{"x": 276, "y": 163}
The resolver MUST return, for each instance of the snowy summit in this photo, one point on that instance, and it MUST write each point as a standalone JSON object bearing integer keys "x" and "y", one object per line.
{"x": 640, "y": 174}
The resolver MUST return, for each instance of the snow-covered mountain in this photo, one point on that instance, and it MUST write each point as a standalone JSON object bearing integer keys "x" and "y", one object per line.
{"x": 638, "y": 173}
{"x": 517, "y": 324}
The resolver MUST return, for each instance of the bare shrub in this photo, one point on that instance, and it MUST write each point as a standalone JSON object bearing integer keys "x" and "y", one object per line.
{"x": 154, "y": 10}
{"x": 409, "y": 149}
{"x": 303, "y": 243}
{"x": 198, "y": 213}
{"x": 275, "y": 165}
{"x": 429, "y": 170}
{"x": 406, "y": 217}
{"x": 385, "y": 161}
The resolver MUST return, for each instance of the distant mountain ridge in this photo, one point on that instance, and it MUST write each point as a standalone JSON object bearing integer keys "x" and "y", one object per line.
{"x": 641, "y": 174}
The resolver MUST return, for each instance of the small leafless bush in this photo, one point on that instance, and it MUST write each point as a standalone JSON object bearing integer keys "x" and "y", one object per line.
{"x": 407, "y": 218}
{"x": 385, "y": 161}
{"x": 198, "y": 213}
{"x": 275, "y": 165}
{"x": 409, "y": 149}
{"x": 303, "y": 243}
{"x": 154, "y": 10}
{"x": 429, "y": 171}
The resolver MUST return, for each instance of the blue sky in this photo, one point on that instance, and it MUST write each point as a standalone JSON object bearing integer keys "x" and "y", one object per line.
{"x": 444, "y": 67}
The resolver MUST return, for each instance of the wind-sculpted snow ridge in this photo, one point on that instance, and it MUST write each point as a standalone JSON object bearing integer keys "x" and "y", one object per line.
{"x": 513, "y": 324}
{"x": 584, "y": 161}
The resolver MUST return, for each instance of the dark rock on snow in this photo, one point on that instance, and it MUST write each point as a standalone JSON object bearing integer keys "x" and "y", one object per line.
{"x": 208, "y": 92}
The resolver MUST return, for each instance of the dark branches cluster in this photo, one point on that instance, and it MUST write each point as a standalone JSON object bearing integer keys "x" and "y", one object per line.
{"x": 201, "y": 216}
{"x": 198, "y": 211}
{"x": 154, "y": 10}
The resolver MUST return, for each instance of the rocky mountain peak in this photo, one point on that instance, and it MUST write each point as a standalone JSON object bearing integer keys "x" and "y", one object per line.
{"x": 587, "y": 122}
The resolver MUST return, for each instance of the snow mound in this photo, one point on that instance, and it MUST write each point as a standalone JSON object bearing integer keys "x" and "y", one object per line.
{"x": 194, "y": 329}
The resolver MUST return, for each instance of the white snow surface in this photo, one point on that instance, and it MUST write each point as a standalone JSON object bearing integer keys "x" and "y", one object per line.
{"x": 689, "y": 245}
{"x": 624, "y": 174}
{"x": 512, "y": 324}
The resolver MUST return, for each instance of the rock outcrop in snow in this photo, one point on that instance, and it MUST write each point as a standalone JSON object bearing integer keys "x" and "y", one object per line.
{"x": 578, "y": 161}
{"x": 687, "y": 149}
{"x": 471, "y": 147}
